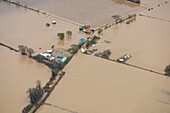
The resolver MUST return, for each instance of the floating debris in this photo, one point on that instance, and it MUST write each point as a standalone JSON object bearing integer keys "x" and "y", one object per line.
{"x": 106, "y": 41}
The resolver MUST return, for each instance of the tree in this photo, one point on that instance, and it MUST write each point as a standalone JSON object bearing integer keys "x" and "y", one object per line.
{"x": 35, "y": 93}
{"x": 167, "y": 70}
{"x": 61, "y": 36}
{"x": 69, "y": 33}
{"x": 30, "y": 52}
{"x": 23, "y": 49}
{"x": 100, "y": 31}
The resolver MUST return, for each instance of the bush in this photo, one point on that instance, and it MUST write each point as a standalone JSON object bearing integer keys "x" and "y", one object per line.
{"x": 167, "y": 70}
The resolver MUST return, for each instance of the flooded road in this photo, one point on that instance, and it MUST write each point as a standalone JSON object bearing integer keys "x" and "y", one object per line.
{"x": 18, "y": 74}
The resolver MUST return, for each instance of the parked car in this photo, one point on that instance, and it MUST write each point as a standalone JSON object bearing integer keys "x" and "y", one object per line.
{"x": 124, "y": 58}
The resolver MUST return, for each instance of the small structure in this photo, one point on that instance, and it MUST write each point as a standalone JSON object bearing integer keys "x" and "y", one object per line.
{"x": 86, "y": 29}
{"x": 47, "y": 54}
{"x": 53, "y": 22}
{"x": 83, "y": 49}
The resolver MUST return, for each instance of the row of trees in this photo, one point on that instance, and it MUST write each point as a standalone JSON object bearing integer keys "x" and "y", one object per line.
{"x": 24, "y": 50}
{"x": 62, "y": 35}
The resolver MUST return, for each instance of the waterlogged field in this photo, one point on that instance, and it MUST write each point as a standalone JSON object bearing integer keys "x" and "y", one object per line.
{"x": 92, "y": 12}
{"x": 91, "y": 84}
{"x": 18, "y": 74}
{"x": 146, "y": 39}
{"x": 94, "y": 85}
{"x": 22, "y": 26}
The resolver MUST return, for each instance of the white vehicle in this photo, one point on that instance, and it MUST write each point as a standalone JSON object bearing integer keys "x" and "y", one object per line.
{"x": 124, "y": 58}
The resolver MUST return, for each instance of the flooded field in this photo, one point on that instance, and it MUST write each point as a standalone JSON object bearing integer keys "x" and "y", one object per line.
{"x": 146, "y": 39}
{"x": 95, "y": 13}
{"x": 91, "y": 84}
{"x": 18, "y": 74}
{"x": 94, "y": 85}
{"x": 21, "y": 26}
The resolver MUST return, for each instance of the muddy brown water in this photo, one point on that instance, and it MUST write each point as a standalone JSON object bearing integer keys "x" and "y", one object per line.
{"x": 146, "y": 39}
{"x": 18, "y": 74}
{"x": 90, "y": 84}
{"x": 94, "y": 13}
{"x": 20, "y": 26}
{"x": 94, "y": 85}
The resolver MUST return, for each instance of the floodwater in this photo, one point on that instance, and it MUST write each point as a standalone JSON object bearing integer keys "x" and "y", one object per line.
{"x": 21, "y": 26}
{"x": 18, "y": 74}
{"x": 88, "y": 12}
{"x": 146, "y": 39}
{"x": 91, "y": 84}
{"x": 94, "y": 85}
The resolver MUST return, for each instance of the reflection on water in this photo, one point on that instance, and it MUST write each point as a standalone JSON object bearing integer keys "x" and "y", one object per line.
{"x": 61, "y": 42}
